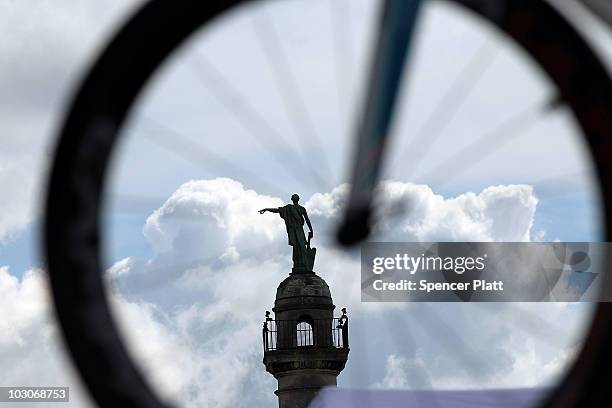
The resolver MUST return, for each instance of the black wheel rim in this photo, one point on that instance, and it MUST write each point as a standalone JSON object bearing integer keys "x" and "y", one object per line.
{"x": 98, "y": 111}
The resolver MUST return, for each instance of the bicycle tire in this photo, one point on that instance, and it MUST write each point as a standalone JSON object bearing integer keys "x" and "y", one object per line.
{"x": 71, "y": 225}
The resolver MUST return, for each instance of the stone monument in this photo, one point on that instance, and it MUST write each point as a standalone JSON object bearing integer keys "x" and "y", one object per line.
{"x": 305, "y": 346}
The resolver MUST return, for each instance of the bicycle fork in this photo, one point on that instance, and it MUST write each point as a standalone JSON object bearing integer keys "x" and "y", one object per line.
{"x": 395, "y": 32}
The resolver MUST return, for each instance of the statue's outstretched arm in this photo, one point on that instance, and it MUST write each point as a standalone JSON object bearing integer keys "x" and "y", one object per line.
{"x": 272, "y": 210}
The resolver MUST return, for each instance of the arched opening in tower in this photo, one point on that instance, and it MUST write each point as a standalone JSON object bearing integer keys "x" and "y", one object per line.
{"x": 305, "y": 335}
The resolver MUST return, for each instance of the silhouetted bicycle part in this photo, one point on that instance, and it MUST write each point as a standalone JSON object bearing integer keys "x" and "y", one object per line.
{"x": 98, "y": 112}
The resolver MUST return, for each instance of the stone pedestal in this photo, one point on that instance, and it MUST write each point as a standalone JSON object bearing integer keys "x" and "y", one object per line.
{"x": 305, "y": 347}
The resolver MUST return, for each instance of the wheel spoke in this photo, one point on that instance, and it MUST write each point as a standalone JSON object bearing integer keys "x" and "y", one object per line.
{"x": 446, "y": 335}
{"x": 450, "y": 104}
{"x": 188, "y": 149}
{"x": 529, "y": 323}
{"x": 341, "y": 25}
{"x": 159, "y": 276}
{"x": 255, "y": 124}
{"x": 480, "y": 149}
{"x": 558, "y": 185}
{"x": 488, "y": 143}
{"x": 288, "y": 88}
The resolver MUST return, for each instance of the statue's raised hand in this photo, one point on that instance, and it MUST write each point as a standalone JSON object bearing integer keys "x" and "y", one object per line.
{"x": 262, "y": 211}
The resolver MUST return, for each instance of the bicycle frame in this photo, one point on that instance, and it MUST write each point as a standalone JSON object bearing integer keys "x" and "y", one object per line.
{"x": 393, "y": 44}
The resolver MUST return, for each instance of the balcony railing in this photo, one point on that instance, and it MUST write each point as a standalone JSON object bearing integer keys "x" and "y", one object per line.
{"x": 292, "y": 334}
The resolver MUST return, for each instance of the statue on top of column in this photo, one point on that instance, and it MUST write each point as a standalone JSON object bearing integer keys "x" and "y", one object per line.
{"x": 295, "y": 216}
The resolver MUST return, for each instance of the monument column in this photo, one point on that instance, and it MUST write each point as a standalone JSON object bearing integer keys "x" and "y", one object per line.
{"x": 305, "y": 346}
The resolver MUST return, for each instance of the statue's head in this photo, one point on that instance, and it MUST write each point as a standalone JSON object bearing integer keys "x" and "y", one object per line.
{"x": 295, "y": 198}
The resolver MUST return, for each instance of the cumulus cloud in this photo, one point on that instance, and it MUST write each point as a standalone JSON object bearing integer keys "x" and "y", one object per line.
{"x": 405, "y": 373}
{"x": 471, "y": 346}
{"x": 212, "y": 228}
{"x": 169, "y": 346}
{"x": 219, "y": 262}
{"x": 497, "y": 213}
{"x": 212, "y": 216}
{"x": 30, "y": 347}
{"x": 200, "y": 355}
{"x": 24, "y": 303}
{"x": 187, "y": 365}
{"x": 413, "y": 212}
{"x": 220, "y": 216}
{"x": 191, "y": 315}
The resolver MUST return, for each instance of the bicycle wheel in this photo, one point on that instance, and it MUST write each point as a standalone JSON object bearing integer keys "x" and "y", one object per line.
{"x": 98, "y": 113}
